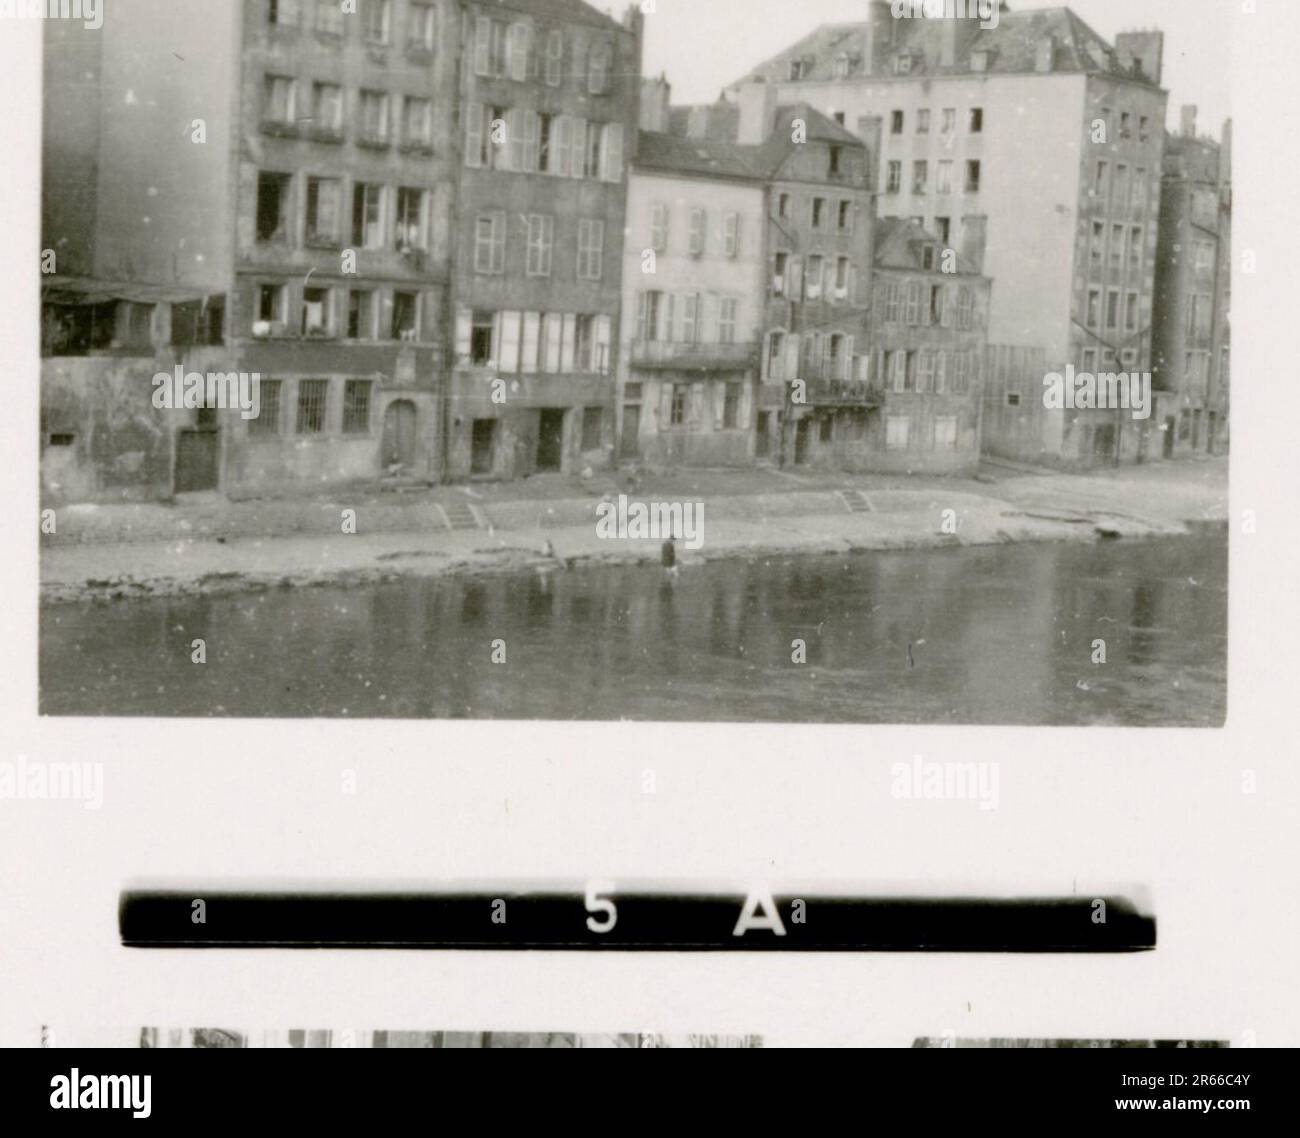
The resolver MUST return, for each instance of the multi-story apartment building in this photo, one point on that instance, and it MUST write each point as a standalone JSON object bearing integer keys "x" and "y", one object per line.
{"x": 548, "y": 101}
{"x": 694, "y": 275}
{"x": 1193, "y": 280}
{"x": 1033, "y": 149}
{"x": 294, "y": 163}
{"x": 814, "y": 404}
{"x": 929, "y": 333}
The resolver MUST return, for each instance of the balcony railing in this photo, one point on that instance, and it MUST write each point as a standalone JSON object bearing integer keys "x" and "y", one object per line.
{"x": 692, "y": 356}
{"x": 843, "y": 393}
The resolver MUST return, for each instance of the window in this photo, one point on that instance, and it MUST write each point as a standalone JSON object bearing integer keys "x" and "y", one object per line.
{"x": 1013, "y": 399}
{"x": 1117, "y": 246}
{"x": 677, "y": 408}
{"x": 731, "y": 234}
{"x": 482, "y": 329}
{"x": 490, "y": 243}
{"x": 894, "y": 179}
{"x": 374, "y": 117}
{"x": 943, "y": 178}
{"x": 1099, "y": 181}
{"x": 361, "y": 315}
{"x": 783, "y": 206}
{"x": 813, "y": 284}
{"x": 410, "y": 220}
{"x": 844, "y": 219}
{"x": 659, "y": 227}
{"x": 316, "y": 312}
{"x": 1131, "y": 312}
{"x": 965, "y": 308}
{"x": 268, "y": 412}
{"x": 1098, "y": 242}
{"x": 842, "y": 278}
{"x": 277, "y": 105}
{"x": 799, "y": 69}
{"x": 840, "y": 69}
{"x": 282, "y": 12}
{"x": 541, "y": 240}
{"x": 727, "y": 320}
{"x": 1125, "y": 125}
{"x": 893, "y": 303}
{"x": 731, "y": 406}
{"x": 272, "y": 206}
{"x": 329, "y": 18}
{"x": 327, "y": 108}
{"x": 915, "y": 295}
{"x": 272, "y": 303}
{"x": 780, "y": 266}
{"x": 368, "y": 215}
{"x": 977, "y": 120}
{"x": 1121, "y": 185}
{"x": 377, "y": 15}
{"x": 943, "y": 227}
{"x": 405, "y": 316}
{"x": 417, "y": 121}
{"x": 948, "y": 120}
{"x": 924, "y": 371}
{"x": 1144, "y": 131}
{"x": 421, "y": 26}
{"x": 903, "y": 64}
{"x": 591, "y": 423}
{"x": 584, "y": 333}
{"x": 1112, "y": 308}
{"x": 312, "y": 395}
{"x": 599, "y": 60}
{"x": 691, "y": 318}
{"x": 1094, "y": 307}
{"x": 697, "y": 235}
{"x": 775, "y": 355}
{"x": 489, "y": 47}
{"x": 356, "y": 407}
{"x": 324, "y": 209}
{"x": 818, "y": 213}
{"x": 518, "y": 44}
{"x": 591, "y": 249}
{"x": 923, "y": 121}
{"x": 1139, "y": 202}
{"x": 895, "y": 122}
{"x": 1204, "y": 256}
{"x": 973, "y": 177}
{"x": 554, "y": 58}
{"x": 945, "y": 433}
{"x": 962, "y": 369}
{"x": 920, "y": 175}
{"x": 836, "y": 154}
{"x": 897, "y": 428}
{"x": 611, "y": 153}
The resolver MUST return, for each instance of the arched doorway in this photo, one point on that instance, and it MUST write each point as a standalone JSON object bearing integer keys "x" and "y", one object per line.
{"x": 398, "y": 448}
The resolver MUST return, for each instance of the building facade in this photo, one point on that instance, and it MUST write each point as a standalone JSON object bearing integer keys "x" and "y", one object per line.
{"x": 1068, "y": 238}
{"x": 1193, "y": 287}
{"x": 929, "y": 319}
{"x": 694, "y": 273}
{"x": 548, "y": 99}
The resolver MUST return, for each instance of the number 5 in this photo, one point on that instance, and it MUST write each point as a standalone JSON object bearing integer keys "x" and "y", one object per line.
{"x": 597, "y": 904}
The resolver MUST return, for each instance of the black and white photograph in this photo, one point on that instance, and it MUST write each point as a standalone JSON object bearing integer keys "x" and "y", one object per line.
{"x": 657, "y": 524}
{"x": 452, "y": 360}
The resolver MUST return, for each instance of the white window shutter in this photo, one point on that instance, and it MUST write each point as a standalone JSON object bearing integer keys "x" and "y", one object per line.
{"x": 567, "y": 343}
{"x": 464, "y": 325}
{"x": 532, "y": 326}
{"x": 474, "y": 134}
{"x": 509, "y": 355}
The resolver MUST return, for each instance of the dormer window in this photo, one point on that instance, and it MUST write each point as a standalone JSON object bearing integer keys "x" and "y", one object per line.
{"x": 927, "y": 257}
{"x": 903, "y": 63}
{"x": 841, "y": 68}
{"x": 979, "y": 60}
{"x": 799, "y": 69}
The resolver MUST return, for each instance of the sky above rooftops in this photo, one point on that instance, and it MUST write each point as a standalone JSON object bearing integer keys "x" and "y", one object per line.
{"x": 704, "y": 44}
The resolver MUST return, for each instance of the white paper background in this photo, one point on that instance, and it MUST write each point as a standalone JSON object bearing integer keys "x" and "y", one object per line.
{"x": 1080, "y": 809}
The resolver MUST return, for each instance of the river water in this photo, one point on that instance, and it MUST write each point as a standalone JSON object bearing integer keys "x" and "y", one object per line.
{"x": 1001, "y": 634}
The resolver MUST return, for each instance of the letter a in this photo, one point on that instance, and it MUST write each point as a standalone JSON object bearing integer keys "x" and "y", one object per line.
{"x": 771, "y": 920}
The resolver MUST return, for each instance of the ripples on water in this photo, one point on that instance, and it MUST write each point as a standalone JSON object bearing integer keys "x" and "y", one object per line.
{"x": 986, "y": 635}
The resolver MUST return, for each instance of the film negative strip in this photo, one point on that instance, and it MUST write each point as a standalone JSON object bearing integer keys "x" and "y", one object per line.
{"x": 602, "y": 917}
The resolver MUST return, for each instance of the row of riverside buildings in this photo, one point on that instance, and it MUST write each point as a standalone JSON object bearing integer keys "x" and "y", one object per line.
{"x": 466, "y": 239}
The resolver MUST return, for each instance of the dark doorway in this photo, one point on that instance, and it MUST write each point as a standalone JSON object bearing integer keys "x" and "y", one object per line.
{"x": 398, "y": 447}
{"x": 763, "y": 444}
{"x": 802, "y": 433}
{"x": 550, "y": 439}
{"x": 630, "y": 446}
{"x": 198, "y": 452}
{"x": 483, "y": 447}
{"x": 1171, "y": 430}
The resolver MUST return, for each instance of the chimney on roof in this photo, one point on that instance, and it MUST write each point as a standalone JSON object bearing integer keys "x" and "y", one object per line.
{"x": 879, "y": 34}
{"x": 1187, "y": 121}
{"x": 656, "y": 97}
{"x": 1045, "y": 55}
{"x": 1146, "y": 50}
{"x": 756, "y": 102}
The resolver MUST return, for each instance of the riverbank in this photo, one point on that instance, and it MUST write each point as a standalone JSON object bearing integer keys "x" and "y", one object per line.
{"x": 215, "y": 547}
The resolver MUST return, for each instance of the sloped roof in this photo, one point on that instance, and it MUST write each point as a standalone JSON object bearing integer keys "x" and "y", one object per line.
{"x": 1012, "y": 48}
{"x": 561, "y": 11}
{"x": 700, "y": 156}
{"x": 898, "y": 243}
